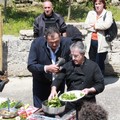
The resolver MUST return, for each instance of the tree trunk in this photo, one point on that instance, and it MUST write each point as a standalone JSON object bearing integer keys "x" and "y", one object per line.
{"x": 1, "y": 59}
{"x": 5, "y": 13}
{"x": 69, "y": 10}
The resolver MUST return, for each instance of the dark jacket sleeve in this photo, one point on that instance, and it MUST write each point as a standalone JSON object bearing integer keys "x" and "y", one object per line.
{"x": 58, "y": 80}
{"x": 61, "y": 22}
{"x": 33, "y": 65}
{"x": 60, "y": 77}
{"x": 94, "y": 77}
{"x": 36, "y": 28}
{"x": 99, "y": 80}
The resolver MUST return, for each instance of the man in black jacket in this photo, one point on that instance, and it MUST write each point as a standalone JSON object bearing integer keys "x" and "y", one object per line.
{"x": 48, "y": 19}
{"x": 80, "y": 73}
{"x": 43, "y": 55}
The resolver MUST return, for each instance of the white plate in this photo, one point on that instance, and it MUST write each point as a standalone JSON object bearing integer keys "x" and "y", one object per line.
{"x": 78, "y": 93}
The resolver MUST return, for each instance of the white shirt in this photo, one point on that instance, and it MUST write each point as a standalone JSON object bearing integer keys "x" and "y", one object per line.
{"x": 53, "y": 58}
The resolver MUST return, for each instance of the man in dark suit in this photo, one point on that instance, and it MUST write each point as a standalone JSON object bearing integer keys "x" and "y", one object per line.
{"x": 80, "y": 73}
{"x": 43, "y": 55}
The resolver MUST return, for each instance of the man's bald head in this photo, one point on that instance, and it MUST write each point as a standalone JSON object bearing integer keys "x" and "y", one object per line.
{"x": 48, "y": 7}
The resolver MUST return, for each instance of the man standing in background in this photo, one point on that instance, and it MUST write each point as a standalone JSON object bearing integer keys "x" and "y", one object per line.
{"x": 48, "y": 19}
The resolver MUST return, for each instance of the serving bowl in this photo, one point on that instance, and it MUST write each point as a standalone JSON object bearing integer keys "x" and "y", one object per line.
{"x": 53, "y": 110}
{"x": 13, "y": 112}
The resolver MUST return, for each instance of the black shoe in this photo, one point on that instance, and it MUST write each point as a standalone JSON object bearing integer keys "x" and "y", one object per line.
{"x": 2, "y": 84}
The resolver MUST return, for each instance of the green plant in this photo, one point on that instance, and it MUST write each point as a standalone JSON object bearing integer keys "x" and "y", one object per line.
{"x": 19, "y": 18}
{"x": 61, "y": 7}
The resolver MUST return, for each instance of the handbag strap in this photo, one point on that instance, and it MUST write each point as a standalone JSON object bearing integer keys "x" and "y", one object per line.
{"x": 104, "y": 16}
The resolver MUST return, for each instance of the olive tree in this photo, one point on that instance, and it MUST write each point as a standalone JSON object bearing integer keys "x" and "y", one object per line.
{"x": 5, "y": 11}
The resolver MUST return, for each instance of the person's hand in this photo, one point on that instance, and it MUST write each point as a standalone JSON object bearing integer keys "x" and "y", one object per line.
{"x": 86, "y": 91}
{"x": 53, "y": 93}
{"x": 52, "y": 68}
{"x": 89, "y": 90}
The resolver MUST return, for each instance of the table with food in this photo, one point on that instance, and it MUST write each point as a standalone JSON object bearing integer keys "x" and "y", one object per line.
{"x": 51, "y": 109}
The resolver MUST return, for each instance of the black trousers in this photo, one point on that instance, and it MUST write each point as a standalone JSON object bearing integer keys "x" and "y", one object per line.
{"x": 99, "y": 58}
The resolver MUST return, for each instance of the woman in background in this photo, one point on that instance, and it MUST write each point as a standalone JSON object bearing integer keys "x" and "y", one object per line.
{"x": 97, "y": 46}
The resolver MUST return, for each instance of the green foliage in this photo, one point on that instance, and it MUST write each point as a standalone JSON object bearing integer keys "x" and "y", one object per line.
{"x": 115, "y": 11}
{"x": 19, "y": 18}
{"x": 12, "y": 104}
{"x": 61, "y": 7}
{"x": 108, "y": 1}
{"x": 79, "y": 13}
{"x": 89, "y": 3}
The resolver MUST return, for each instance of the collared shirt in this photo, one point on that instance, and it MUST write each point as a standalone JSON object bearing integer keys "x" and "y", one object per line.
{"x": 53, "y": 58}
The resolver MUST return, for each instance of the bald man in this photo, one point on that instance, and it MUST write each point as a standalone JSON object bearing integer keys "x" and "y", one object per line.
{"x": 48, "y": 19}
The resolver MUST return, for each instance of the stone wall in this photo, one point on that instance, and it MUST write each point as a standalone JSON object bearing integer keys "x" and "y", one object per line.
{"x": 16, "y": 49}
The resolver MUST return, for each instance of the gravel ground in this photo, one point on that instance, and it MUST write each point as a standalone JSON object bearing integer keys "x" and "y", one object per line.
{"x": 18, "y": 89}
{"x": 110, "y": 98}
{"x": 21, "y": 89}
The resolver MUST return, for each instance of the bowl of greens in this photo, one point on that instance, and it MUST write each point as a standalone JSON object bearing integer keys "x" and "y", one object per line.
{"x": 11, "y": 113}
{"x": 9, "y": 108}
{"x": 53, "y": 106}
